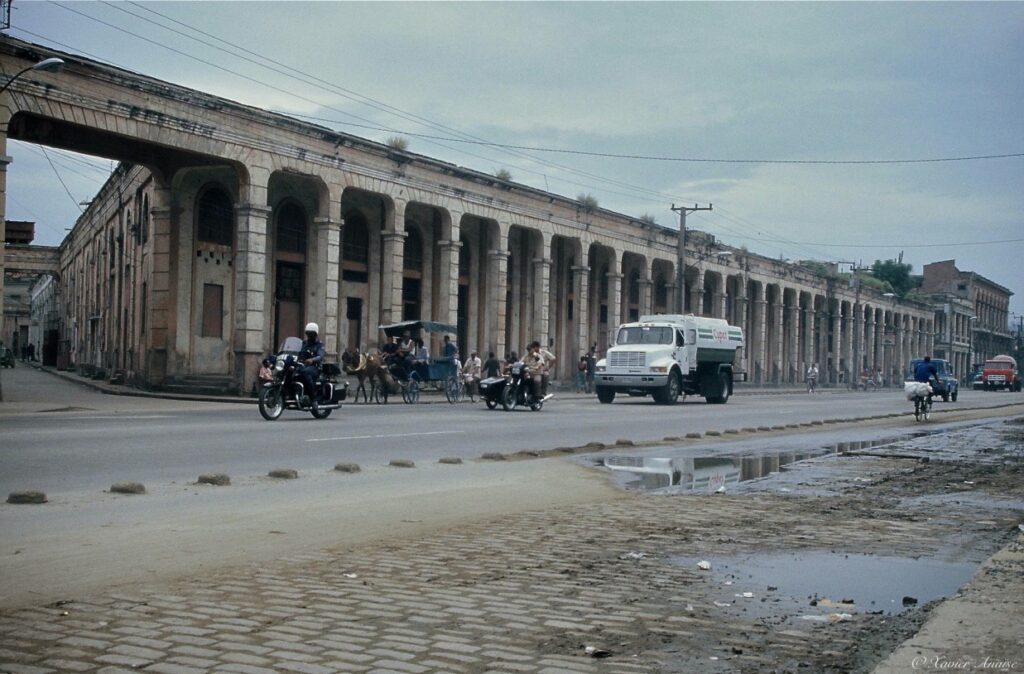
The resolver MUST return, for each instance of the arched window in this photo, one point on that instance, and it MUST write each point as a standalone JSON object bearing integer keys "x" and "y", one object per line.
{"x": 291, "y": 228}
{"x": 214, "y": 217}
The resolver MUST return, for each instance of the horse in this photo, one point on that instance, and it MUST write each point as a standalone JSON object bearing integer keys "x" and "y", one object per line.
{"x": 367, "y": 366}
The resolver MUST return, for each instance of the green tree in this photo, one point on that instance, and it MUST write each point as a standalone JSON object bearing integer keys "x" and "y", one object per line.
{"x": 896, "y": 274}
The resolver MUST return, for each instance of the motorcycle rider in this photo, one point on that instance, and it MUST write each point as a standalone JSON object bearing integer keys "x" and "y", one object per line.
{"x": 312, "y": 357}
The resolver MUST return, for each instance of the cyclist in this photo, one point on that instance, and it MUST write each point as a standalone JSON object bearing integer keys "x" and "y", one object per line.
{"x": 925, "y": 373}
{"x": 812, "y": 378}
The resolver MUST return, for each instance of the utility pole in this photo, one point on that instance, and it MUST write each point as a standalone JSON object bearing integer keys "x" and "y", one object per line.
{"x": 681, "y": 254}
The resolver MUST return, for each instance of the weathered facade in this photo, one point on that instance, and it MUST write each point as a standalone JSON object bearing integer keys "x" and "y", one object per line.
{"x": 226, "y": 228}
{"x": 988, "y": 323}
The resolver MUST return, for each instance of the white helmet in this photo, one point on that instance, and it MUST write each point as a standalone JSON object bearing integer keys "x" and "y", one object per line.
{"x": 313, "y": 327}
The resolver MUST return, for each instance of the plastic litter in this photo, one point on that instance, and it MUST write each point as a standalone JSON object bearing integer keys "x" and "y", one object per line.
{"x": 350, "y": 575}
{"x": 722, "y": 604}
{"x": 842, "y": 603}
{"x": 830, "y": 618}
{"x": 595, "y": 652}
{"x": 745, "y": 595}
{"x": 704, "y": 565}
{"x": 720, "y": 490}
{"x": 633, "y": 555}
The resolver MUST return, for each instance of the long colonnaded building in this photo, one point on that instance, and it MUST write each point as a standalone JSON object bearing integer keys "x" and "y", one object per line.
{"x": 225, "y": 228}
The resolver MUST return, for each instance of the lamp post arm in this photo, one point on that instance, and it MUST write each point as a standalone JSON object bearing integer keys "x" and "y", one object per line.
{"x": 11, "y": 81}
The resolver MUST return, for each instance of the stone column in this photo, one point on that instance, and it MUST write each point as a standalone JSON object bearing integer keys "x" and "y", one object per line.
{"x": 793, "y": 365}
{"x": 326, "y": 291}
{"x": 720, "y": 305}
{"x": 870, "y": 339}
{"x": 614, "y": 304}
{"x": 778, "y": 362}
{"x": 645, "y": 296}
{"x": 448, "y": 285}
{"x": 697, "y": 294}
{"x": 393, "y": 257}
{"x": 541, "y": 300}
{"x": 758, "y": 353}
{"x": 809, "y": 350}
{"x": 392, "y": 265}
{"x": 494, "y": 315}
{"x": 580, "y": 276}
{"x": 837, "y": 343}
{"x": 250, "y": 338}
{"x": 160, "y": 320}
{"x": 857, "y": 342}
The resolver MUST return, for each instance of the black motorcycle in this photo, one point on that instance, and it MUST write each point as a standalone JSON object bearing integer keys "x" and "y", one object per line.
{"x": 491, "y": 390}
{"x": 518, "y": 392}
{"x": 283, "y": 388}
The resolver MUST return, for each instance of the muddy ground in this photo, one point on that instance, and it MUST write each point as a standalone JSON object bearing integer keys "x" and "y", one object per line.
{"x": 531, "y": 591}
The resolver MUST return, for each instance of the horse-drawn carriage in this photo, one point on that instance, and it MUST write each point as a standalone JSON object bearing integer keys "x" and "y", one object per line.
{"x": 389, "y": 374}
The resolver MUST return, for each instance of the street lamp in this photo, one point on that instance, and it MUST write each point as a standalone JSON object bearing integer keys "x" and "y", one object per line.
{"x": 50, "y": 65}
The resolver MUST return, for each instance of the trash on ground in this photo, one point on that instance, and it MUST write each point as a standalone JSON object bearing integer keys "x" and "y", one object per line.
{"x": 828, "y": 603}
{"x": 745, "y": 595}
{"x": 350, "y": 575}
{"x": 909, "y": 601}
{"x": 633, "y": 555}
{"x": 704, "y": 565}
{"x": 722, "y": 604}
{"x": 595, "y": 652}
{"x": 830, "y": 618}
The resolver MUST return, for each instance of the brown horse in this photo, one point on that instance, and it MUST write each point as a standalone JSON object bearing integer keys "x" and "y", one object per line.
{"x": 368, "y": 366}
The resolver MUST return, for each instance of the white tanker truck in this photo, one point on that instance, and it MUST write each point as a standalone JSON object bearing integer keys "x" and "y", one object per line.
{"x": 669, "y": 355}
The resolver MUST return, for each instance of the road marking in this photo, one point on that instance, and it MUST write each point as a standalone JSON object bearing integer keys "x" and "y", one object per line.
{"x": 390, "y": 435}
{"x": 126, "y": 417}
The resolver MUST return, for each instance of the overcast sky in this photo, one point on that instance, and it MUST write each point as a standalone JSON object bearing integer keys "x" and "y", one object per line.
{"x": 728, "y": 81}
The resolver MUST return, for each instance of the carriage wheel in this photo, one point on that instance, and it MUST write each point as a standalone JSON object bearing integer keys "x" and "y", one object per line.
{"x": 451, "y": 390}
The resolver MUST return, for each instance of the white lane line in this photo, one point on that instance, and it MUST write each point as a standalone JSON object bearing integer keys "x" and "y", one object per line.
{"x": 123, "y": 418}
{"x": 390, "y": 435}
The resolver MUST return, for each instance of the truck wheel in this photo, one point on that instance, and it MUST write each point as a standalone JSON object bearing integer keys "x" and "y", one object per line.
{"x": 945, "y": 397}
{"x": 718, "y": 391}
{"x": 668, "y": 394}
{"x": 605, "y": 394}
{"x": 955, "y": 393}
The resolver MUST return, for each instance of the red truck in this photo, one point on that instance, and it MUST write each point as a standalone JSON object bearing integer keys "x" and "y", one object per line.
{"x": 1000, "y": 373}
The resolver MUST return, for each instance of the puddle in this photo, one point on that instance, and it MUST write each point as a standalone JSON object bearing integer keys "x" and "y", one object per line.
{"x": 873, "y": 583}
{"x": 703, "y": 473}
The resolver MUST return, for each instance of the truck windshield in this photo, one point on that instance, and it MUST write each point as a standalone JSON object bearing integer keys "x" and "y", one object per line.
{"x": 998, "y": 365}
{"x": 645, "y": 335}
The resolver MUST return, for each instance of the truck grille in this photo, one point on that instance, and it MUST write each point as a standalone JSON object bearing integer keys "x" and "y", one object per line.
{"x": 626, "y": 359}
{"x": 997, "y": 378}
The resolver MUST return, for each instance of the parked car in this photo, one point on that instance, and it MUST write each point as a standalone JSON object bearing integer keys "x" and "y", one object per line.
{"x": 6, "y": 357}
{"x": 977, "y": 380}
{"x": 947, "y": 386}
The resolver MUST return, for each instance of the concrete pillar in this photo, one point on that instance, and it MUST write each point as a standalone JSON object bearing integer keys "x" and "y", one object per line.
{"x": 836, "y": 324}
{"x": 778, "y": 362}
{"x": 697, "y": 294}
{"x": 720, "y": 305}
{"x": 580, "y": 277}
{"x": 160, "y": 319}
{"x": 614, "y": 304}
{"x": 645, "y": 296}
{"x": 541, "y": 300}
{"x": 250, "y": 338}
{"x": 758, "y": 353}
{"x": 857, "y": 343}
{"x": 793, "y": 353}
{"x": 809, "y": 351}
{"x": 871, "y": 339}
{"x": 328, "y": 257}
{"x": 448, "y": 285}
{"x": 392, "y": 264}
{"x": 495, "y": 313}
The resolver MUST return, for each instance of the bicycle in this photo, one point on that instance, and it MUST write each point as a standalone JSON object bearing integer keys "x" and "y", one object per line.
{"x": 812, "y": 384}
{"x": 922, "y": 407}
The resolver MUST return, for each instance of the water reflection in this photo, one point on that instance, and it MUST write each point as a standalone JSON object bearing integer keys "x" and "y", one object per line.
{"x": 702, "y": 473}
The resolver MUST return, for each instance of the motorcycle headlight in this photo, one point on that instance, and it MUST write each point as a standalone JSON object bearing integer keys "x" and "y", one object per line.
{"x": 280, "y": 364}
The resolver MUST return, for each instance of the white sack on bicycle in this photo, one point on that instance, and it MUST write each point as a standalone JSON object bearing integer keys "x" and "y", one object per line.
{"x": 915, "y": 389}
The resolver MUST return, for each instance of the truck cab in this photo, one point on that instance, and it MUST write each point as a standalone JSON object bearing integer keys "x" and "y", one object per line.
{"x": 666, "y": 356}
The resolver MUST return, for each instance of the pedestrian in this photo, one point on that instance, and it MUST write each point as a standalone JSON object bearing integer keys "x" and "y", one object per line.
{"x": 471, "y": 373}
{"x": 581, "y": 374}
{"x": 449, "y": 350}
{"x": 31, "y": 352}
{"x": 491, "y": 367}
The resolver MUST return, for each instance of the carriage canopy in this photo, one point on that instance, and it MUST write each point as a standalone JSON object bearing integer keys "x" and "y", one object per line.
{"x": 415, "y": 327}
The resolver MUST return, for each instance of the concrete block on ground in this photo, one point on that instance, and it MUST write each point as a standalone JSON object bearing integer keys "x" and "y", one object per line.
{"x": 402, "y": 463}
{"x": 347, "y": 467}
{"x": 284, "y": 474}
{"x": 450, "y": 460}
{"x": 26, "y": 497}
{"x": 127, "y": 488}
{"x": 216, "y": 479}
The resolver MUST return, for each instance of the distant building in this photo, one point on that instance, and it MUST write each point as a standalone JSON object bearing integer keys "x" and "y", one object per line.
{"x": 989, "y": 302}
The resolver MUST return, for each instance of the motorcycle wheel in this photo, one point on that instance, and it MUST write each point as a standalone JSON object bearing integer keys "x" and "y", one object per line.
{"x": 536, "y": 405}
{"x": 508, "y": 399}
{"x": 271, "y": 402}
{"x": 491, "y": 404}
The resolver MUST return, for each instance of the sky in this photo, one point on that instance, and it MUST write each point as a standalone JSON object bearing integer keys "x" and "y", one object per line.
{"x": 755, "y": 87}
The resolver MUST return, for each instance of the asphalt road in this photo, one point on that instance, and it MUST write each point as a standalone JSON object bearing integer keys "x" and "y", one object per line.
{"x": 59, "y": 437}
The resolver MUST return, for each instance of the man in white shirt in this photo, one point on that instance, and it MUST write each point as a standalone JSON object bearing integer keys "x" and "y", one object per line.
{"x": 471, "y": 372}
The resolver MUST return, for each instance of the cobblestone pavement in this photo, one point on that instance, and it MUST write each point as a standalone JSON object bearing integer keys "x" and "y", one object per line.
{"x": 529, "y": 593}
